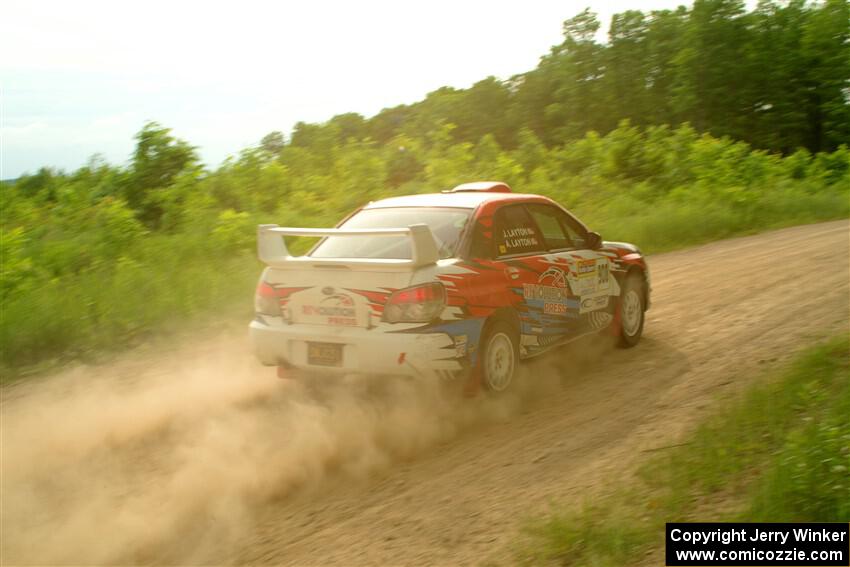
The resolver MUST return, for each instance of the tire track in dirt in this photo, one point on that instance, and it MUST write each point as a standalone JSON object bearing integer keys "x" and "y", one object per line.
{"x": 200, "y": 456}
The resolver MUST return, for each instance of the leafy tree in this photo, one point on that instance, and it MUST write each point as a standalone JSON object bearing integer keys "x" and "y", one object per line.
{"x": 825, "y": 47}
{"x": 16, "y": 268}
{"x": 41, "y": 185}
{"x": 664, "y": 40}
{"x": 158, "y": 160}
{"x": 272, "y": 143}
{"x": 776, "y": 114}
{"x": 481, "y": 110}
{"x": 388, "y": 123}
{"x": 627, "y": 66}
{"x": 577, "y": 68}
{"x": 403, "y": 161}
{"x": 710, "y": 81}
{"x": 349, "y": 126}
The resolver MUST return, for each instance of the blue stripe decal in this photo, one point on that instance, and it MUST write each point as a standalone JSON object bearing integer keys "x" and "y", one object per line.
{"x": 471, "y": 328}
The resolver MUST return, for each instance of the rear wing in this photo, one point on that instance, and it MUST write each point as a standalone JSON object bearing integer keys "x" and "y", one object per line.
{"x": 272, "y": 248}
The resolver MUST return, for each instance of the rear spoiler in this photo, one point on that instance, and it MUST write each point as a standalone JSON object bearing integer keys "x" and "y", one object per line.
{"x": 272, "y": 248}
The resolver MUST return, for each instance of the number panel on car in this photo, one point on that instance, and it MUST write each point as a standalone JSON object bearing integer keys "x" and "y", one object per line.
{"x": 324, "y": 354}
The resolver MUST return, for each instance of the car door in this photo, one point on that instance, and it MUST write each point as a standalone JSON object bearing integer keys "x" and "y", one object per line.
{"x": 519, "y": 249}
{"x": 570, "y": 263}
{"x": 540, "y": 298}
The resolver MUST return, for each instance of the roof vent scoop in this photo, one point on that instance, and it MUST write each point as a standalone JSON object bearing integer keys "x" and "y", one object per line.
{"x": 483, "y": 186}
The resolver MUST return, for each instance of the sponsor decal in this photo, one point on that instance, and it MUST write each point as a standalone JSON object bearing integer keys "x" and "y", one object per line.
{"x": 460, "y": 345}
{"x": 544, "y": 292}
{"x": 520, "y": 237}
{"x": 338, "y": 308}
{"x": 554, "y": 276}
{"x": 555, "y": 308}
{"x": 603, "y": 273}
{"x": 339, "y": 299}
{"x": 589, "y": 276}
{"x": 585, "y": 279}
{"x": 593, "y": 303}
{"x": 327, "y": 311}
{"x": 585, "y": 268}
{"x": 551, "y": 288}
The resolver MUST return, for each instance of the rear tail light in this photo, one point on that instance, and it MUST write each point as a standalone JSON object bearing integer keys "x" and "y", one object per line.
{"x": 266, "y": 301}
{"x": 417, "y": 304}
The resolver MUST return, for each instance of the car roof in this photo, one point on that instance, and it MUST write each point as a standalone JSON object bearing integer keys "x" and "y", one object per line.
{"x": 463, "y": 199}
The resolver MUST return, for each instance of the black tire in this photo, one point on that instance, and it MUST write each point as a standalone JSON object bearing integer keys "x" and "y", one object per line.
{"x": 632, "y": 306}
{"x": 499, "y": 357}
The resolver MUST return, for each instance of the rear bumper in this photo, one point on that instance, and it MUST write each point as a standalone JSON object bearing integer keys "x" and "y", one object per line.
{"x": 373, "y": 351}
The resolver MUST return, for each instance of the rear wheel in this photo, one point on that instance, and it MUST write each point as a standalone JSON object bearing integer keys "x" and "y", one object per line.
{"x": 499, "y": 357}
{"x": 632, "y": 310}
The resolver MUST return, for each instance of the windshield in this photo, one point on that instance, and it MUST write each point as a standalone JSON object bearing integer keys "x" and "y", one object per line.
{"x": 446, "y": 225}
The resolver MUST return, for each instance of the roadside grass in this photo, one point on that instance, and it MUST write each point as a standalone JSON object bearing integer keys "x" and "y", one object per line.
{"x": 675, "y": 222}
{"x": 105, "y": 311}
{"x": 780, "y": 453}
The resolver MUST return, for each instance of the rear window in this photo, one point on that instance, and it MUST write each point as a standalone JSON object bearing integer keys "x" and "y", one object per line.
{"x": 446, "y": 225}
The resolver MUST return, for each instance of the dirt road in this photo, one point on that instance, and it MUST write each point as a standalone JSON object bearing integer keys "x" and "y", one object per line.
{"x": 198, "y": 455}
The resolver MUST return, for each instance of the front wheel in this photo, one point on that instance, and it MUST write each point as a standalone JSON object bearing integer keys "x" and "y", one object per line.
{"x": 500, "y": 357}
{"x": 632, "y": 311}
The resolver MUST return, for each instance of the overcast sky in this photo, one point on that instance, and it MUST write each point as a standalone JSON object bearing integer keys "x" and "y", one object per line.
{"x": 82, "y": 77}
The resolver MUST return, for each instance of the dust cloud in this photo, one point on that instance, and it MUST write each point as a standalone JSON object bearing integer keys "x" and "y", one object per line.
{"x": 165, "y": 459}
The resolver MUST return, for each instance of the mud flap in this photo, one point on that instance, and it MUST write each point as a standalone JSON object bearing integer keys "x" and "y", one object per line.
{"x": 472, "y": 385}
{"x": 614, "y": 328}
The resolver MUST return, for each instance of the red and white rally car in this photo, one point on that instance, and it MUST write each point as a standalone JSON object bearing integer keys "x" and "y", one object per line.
{"x": 460, "y": 283}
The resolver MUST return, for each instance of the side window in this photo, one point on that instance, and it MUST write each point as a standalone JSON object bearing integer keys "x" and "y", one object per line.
{"x": 516, "y": 233}
{"x": 552, "y": 224}
{"x": 575, "y": 231}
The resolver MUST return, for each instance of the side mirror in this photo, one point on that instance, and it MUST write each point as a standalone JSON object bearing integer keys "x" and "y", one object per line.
{"x": 593, "y": 240}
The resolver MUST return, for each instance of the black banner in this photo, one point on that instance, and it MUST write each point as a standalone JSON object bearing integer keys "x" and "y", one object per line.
{"x": 740, "y": 544}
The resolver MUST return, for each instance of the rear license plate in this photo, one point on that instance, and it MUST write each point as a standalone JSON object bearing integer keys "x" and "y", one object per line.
{"x": 324, "y": 354}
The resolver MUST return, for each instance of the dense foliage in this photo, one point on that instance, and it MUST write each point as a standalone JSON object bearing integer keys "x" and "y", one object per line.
{"x": 96, "y": 258}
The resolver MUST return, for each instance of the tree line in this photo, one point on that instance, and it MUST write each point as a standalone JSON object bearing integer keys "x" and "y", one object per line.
{"x": 777, "y": 77}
